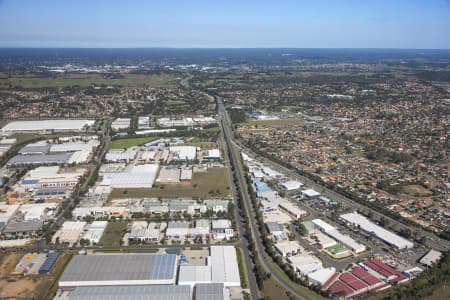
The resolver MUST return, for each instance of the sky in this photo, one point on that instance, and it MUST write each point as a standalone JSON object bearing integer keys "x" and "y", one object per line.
{"x": 419, "y": 24}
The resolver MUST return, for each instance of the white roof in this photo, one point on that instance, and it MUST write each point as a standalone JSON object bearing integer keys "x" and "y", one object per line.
{"x": 321, "y": 276}
{"x": 292, "y": 208}
{"x": 291, "y": 185}
{"x": 184, "y": 152}
{"x": 57, "y": 125}
{"x": 221, "y": 223}
{"x": 347, "y": 241}
{"x": 431, "y": 258}
{"x": 213, "y": 153}
{"x": 323, "y": 225}
{"x": 383, "y": 234}
{"x": 141, "y": 176}
{"x": 191, "y": 275}
{"x": 224, "y": 267}
{"x": 287, "y": 246}
{"x": 310, "y": 193}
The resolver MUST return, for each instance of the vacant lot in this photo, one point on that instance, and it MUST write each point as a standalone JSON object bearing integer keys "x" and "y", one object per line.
{"x": 113, "y": 234}
{"x": 127, "y": 143}
{"x": 214, "y": 182}
{"x": 8, "y": 262}
{"x": 30, "y": 286}
{"x": 85, "y": 80}
{"x": 416, "y": 190}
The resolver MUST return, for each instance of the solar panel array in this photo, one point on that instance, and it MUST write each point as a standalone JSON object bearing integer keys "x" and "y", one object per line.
{"x": 162, "y": 266}
{"x": 209, "y": 291}
{"x": 132, "y": 292}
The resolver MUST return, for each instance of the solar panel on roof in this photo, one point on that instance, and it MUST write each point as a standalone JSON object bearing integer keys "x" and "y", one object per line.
{"x": 162, "y": 267}
{"x": 152, "y": 292}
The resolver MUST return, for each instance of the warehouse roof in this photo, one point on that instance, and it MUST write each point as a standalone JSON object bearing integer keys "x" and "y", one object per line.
{"x": 430, "y": 258}
{"x": 57, "y": 125}
{"x": 209, "y": 291}
{"x": 383, "y": 234}
{"x": 310, "y": 193}
{"x": 291, "y": 185}
{"x": 116, "y": 269}
{"x": 132, "y": 292}
{"x": 59, "y": 158}
{"x": 224, "y": 265}
{"x": 194, "y": 274}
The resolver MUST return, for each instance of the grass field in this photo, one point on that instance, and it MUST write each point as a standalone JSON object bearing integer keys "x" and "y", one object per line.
{"x": 214, "y": 182}
{"x": 416, "y": 190}
{"x": 282, "y": 122}
{"x": 131, "y": 142}
{"x": 85, "y": 80}
{"x": 113, "y": 234}
{"x": 336, "y": 249}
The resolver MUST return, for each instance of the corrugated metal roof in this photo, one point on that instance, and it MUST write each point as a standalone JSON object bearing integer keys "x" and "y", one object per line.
{"x": 130, "y": 292}
{"x": 120, "y": 267}
{"x": 209, "y": 291}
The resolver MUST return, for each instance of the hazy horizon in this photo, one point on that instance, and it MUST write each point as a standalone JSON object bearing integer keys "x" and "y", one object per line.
{"x": 323, "y": 24}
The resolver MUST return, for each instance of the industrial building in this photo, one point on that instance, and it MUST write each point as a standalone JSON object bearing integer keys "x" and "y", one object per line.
{"x": 385, "y": 235}
{"x": 431, "y": 258}
{"x": 213, "y": 154}
{"x": 221, "y": 229}
{"x": 291, "y": 185}
{"x": 70, "y": 232}
{"x": 47, "y": 126}
{"x": 120, "y": 124}
{"x": 187, "y": 153}
{"x": 211, "y": 291}
{"x": 119, "y": 270}
{"x": 335, "y": 234}
{"x": 224, "y": 266}
{"x": 132, "y": 292}
{"x": 136, "y": 176}
{"x": 94, "y": 231}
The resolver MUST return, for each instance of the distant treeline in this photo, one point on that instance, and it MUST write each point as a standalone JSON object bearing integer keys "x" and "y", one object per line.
{"x": 434, "y": 75}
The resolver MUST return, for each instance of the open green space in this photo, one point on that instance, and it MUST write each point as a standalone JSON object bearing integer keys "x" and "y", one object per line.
{"x": 416, "y": 190}
{"x": 131, "y": 142}
{"x": 281, "y": 122}
{"x": 213, "y": 183}
{"x": 175, "y": 102}
{"x": 336, "y": 249}
{"x": 85, "y": 80}
{"x": 112, "y": 236}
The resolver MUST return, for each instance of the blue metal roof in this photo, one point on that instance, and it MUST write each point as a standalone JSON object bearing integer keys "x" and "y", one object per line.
{"x": 49, "y": 262}
{"x": 261, "y": 187}
{"x": 30, "y": 181}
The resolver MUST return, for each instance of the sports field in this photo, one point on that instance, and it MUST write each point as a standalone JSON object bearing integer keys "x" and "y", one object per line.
{"x": 336, "y": 249}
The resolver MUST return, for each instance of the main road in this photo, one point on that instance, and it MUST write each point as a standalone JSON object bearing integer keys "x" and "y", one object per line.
{"x": 263, "y": 257}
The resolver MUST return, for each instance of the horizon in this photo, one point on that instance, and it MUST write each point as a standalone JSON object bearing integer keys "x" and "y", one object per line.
{"x": 200, "y": 24}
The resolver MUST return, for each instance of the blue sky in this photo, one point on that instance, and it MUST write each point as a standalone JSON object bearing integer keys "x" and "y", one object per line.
{"x": 226, "y": 23}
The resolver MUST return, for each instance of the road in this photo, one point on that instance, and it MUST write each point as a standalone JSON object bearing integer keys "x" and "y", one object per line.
{"x": 432, "y": 241}
{"x": 255, "y": 293}
{"x": 263, "y": 257}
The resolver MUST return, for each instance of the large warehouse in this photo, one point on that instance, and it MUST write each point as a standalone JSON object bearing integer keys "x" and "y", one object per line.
{"x": 147, "y": 292}
{"x": 46, "y": 125}
{"x": 120, "y": 269}
{"x": 383, "y": 234}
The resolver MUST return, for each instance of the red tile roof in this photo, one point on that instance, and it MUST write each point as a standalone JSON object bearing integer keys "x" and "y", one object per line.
{"x": 365, "y": 276}
{"x": 339, "y": 286}
{"x": 352, "y": 281}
